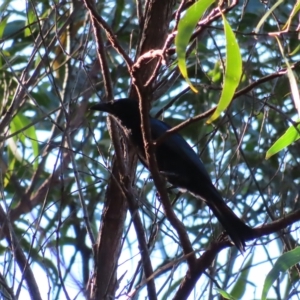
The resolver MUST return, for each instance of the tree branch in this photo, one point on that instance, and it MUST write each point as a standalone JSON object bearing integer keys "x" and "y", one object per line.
{"x": 207, "y": 258}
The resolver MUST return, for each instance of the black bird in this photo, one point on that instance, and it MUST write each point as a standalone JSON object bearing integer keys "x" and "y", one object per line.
{"x": 178, "y": 162}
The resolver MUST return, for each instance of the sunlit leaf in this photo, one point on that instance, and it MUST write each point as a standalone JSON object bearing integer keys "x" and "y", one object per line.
{"x": 19, "y": 122}
{"x": 3, "y": 25}
{"x": 225, "y": 295}
{"x": 295, "y": 10}
{"x": 292, "y": 79}
{"x": 233, "y": 71}
{"x": 31, "y": 18}
{"x": 185, "y": 29}
{"x": 266, "y": 15}
{"x": 290, "y": 136}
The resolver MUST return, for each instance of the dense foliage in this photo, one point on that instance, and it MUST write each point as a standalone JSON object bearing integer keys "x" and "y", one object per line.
{"x": 80, "y": 217}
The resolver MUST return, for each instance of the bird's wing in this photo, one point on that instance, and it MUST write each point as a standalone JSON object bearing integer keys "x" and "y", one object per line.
{"x": 177, "y": 144}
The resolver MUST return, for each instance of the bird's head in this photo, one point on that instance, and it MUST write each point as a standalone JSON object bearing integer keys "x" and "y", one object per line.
{"x": 126, "y": 111}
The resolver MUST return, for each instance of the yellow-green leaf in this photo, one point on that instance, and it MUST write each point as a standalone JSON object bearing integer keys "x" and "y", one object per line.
{"x": 295, "y": 10}
{"x": 225, "y": 295}
{"x": 3, "y": 25}
{"x": 185, "y": 29}
{"x": 290, "y": 136}
{"x": 31, "y": 18}
{"x": 19, "y": 122}
{"x": 292, "y": 79}
{"x": 233, "y": 71}
{"x": 266, "y": 15}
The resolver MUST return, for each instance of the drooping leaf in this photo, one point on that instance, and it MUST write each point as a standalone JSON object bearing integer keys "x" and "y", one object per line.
{"x": 290, "y": 136}
{"x": 31, "y": 19}
{"x": 284, "y": 262}
{"x": 266, "y": 15}
{"x": 185, "y": 29}
{"x": 19, "y": 122}
{"x": 3, "y": 25}
{"x": 233, "y": 71}
{"x": 295, "y": 10}
{"x": 292, "y": 79}
{"x": 239, "y": 288}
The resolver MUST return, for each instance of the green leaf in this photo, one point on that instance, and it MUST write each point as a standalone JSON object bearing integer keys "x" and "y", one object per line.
{"x": 240, "y": 286}
{"x": 216, "y": 73}
{"x": 295, "y": 10}
{"x": 233, "y": 71}
{"x": 266, "y": 15}
{"x": 225, "y": 295}
{"x": 284, "y": 262}
{"x": 3, "y": 25}
{"x": 16, "y": 125}
{"x": 185, "y": 29}
{"x": 292, "y": 79}
{"x": 13, "y": 28}
{"x": 295, "y": 51}
{"x": 290, "y": 136}
{"x": 31, "y": 18}
{"x": 19, "y": 122}
{"x": 171, "y": 289}
{"x": 11, "y": 162}
{"x": 119, "y": 8}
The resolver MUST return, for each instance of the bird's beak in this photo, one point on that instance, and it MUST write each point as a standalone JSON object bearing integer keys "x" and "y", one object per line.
{"x": 101, "y": 107}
